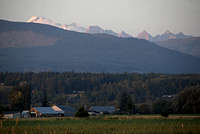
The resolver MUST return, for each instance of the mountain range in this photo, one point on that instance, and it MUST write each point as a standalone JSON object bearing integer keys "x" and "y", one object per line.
{"x": 162, "y": 37}
{"x": 40, "y": 47}
{"x": 94, "y": 29}
{"x": 179, "y": 42}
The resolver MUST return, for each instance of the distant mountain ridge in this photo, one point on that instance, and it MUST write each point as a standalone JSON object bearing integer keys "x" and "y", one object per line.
{"x": 41, "y": 47}
{"x": 179, "y": 42}
{"x": 185, "y": 45}
{"x": 94, "y": 29}
{"x": 162, "y": 37}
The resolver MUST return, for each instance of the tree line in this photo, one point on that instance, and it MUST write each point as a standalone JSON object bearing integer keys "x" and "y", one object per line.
{"x": 131, "y": 92}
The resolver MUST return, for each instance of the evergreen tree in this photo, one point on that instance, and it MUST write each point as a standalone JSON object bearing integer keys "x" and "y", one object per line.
{"x": 126, "y": 104}
{"x": 1, "y": 110}
{"x": 162, "y": 107}
{"x": 20, "y": 97}
{"x": 45, "y": 101}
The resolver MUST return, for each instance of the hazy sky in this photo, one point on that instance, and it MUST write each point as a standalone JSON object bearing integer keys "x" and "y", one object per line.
{"x": 132, "y": 16}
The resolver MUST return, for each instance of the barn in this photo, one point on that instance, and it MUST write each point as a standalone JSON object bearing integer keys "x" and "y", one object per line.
{"x": 44, "y": 112}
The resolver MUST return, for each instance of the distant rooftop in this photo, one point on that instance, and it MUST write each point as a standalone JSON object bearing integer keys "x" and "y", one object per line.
{"x": 109, "y": 109}
{"x": 46, "y": 110}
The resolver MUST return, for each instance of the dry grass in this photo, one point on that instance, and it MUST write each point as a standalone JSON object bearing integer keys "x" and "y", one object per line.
{"x": 139, "y": 124}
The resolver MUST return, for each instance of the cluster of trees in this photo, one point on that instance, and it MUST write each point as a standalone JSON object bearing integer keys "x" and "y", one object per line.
{"x": 188, "y": 101}
{"x": 131, "y": 92}
{"x": 185, "y": 102}
{"x": 20, "y": 97}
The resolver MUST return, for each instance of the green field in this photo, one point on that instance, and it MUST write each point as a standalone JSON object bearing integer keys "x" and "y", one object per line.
{"x": 104, "y": 125}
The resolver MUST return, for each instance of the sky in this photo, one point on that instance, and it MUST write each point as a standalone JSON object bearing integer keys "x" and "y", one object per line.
{"x": 132, "y": 16}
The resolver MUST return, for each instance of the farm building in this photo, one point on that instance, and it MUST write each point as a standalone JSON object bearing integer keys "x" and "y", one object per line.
{"x": 44, "y": 112}
{"x": 66, "y": 110}
{"x": 94, "y": 110}
{"x": 25, "y": 114}
{"x": 11, "y": 114}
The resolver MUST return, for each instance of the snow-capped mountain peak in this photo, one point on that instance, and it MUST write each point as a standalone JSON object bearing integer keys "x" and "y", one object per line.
{"x": 168, "y": 32}
{"x": 161, "y": 37}
{"x": 75, "y": 27}
{"x": 123, "y": 34}
{"x": 144, "y": 35}
{"x": 33, "y": 19}
{"x": 95, "y": 29}
{"x": 43, "y": 20}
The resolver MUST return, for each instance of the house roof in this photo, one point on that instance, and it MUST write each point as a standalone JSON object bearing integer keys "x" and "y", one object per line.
{"x": 46, "y": 110}
{"x": 67, "y": 109}
{"x": 109, "y": 109}
{"x": 56, "y": 108}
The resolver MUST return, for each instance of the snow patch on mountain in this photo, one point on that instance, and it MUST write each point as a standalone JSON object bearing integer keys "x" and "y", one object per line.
{"x": 94, "y": 29}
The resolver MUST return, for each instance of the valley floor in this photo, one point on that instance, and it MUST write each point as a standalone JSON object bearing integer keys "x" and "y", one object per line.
{"x": 137, "y": 124}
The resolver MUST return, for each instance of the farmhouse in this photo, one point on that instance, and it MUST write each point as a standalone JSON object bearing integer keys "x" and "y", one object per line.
{"x": 94, "y": 110}
{"x": 66, "y": 110}
{"x": 45, "y": 112}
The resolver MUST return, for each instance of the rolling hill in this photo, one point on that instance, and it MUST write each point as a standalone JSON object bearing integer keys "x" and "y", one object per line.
{"x": 187, "y": 45}
{"x": 40, "y": 47}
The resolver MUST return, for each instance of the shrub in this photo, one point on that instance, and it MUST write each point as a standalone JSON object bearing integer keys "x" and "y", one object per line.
{"x": 165, "y": 114}
{"x": 81, "y": 113}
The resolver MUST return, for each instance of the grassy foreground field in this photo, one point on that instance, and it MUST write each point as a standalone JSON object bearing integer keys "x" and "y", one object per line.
{"x": 104, "y": 125}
